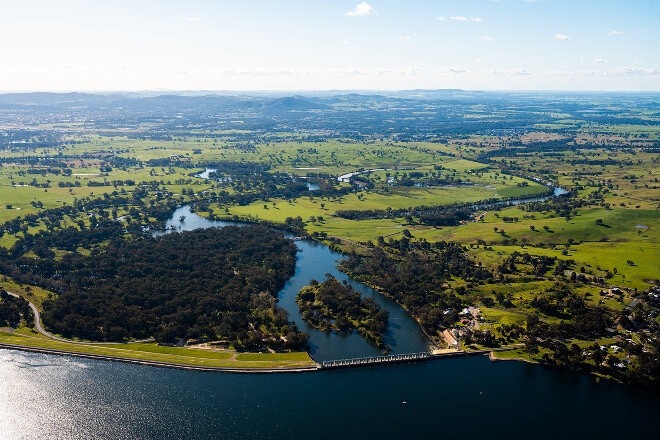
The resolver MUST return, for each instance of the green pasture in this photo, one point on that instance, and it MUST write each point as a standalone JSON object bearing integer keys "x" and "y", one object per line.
{"x": 295, "y": 156}
{"x": 496, "y": 316}
{"x": 462, "y": 165}
{"x": 524, "y": 291}
{"x": 394, "y": 198}
{"x": 517, "y": 354}
{"x": 597, "y": 258}
{"x": 359, "y": 231}
{"x": 34, "y": 294}
{"x": 611, "y": 255}
{"x": 616, "y": 224}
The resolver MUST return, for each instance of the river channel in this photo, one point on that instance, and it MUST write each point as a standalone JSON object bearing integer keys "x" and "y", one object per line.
{"x": 314, "y": 261}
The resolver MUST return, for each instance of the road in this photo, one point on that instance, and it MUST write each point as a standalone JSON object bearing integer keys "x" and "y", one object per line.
{"x": 40, "y": 328}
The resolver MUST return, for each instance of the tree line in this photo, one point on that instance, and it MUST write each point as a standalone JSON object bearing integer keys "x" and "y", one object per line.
{"x": 417, "y": 275}
{"x": 333, "y": 306}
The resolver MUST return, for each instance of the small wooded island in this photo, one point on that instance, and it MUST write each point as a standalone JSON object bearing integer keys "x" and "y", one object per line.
{"x": 333, "y": 306}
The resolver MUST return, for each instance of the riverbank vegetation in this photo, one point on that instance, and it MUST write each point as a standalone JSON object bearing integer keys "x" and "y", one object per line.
{"x": 440, "y": 212}
{"x": 333, "y": 306}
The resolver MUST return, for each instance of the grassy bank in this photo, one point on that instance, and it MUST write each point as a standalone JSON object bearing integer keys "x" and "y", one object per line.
{"x": 177, "y": 356}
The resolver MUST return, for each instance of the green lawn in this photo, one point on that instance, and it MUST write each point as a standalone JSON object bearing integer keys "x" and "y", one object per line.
{"x": 174, "y": 355}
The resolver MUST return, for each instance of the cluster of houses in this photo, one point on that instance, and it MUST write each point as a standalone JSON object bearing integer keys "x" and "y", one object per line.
{"x": 469, "y": 318}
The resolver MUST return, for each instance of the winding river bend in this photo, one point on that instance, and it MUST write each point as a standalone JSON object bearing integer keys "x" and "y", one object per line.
{"x": 313, "y": 261}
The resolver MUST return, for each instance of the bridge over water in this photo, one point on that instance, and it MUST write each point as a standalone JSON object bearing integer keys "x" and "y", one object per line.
{"x": 376, "y": 360}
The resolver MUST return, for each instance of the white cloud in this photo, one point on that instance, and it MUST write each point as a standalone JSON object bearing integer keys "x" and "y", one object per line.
{"x": 486, "y": 38}
{"x": 405, "y": 38}
{"x": 352, "y": 72}
{"x": 599, "y": 60}
{"x": 258, "y": 72}
{"x": 408, "y": 71}
{"x": 440, "y": 18}
{"x": 635, "y": 71}
{"x": 624, "y": 71}
{"x": 413, "y": 71}
{"x": 562, "y": 37}
{"x": 614, "y": 33}
{"x": 465, "y": 19}
{"x": 509, "y": 72}
{"x": 362, "y": 9}
{"x": 558, "y": 73}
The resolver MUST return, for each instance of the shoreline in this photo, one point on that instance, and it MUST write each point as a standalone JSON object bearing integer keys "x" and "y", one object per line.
{"x": 159, "y": 364}
{"x": 238, "y": 370}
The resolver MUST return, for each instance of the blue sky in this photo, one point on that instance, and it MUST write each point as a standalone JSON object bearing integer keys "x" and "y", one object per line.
{"x": 329, "y": 45}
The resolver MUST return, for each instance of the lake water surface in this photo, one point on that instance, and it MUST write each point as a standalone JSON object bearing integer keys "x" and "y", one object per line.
{"x": 53, "y": 397}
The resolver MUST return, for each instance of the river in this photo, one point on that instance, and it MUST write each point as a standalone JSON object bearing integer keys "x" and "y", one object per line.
{"x": 313, "y": 261}
{"x": 59, "y": 397}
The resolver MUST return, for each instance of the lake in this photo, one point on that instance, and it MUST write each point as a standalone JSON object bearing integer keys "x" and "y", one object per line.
{"x": 54, "y": 397}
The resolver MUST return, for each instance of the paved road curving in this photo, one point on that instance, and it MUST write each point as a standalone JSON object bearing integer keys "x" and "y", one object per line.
{"x": 153, "y": 363}
{"x": 37, "y": 323}
{"x": 40, "y": 328}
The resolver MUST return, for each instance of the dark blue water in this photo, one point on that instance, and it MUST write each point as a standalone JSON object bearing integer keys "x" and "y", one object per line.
{"x": 51, "y": 397}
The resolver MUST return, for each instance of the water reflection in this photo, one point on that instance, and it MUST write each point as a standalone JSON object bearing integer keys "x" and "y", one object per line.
{"x": 52, "y": 397}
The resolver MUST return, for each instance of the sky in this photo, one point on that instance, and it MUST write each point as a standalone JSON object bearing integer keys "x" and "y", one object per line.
{"x": 224, "y": 45}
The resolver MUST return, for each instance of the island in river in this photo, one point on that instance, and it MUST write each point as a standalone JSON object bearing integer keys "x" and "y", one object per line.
{"x": 333, "y": 306}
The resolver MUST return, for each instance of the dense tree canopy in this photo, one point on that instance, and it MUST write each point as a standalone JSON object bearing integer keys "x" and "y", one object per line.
{"x": 417, "y": 280}
{"x": 213, "y": 283}
{"x": 331, "y": 305}
{"x": 12, "y": 309}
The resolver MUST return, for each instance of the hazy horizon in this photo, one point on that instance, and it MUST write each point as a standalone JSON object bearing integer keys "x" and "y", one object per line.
{"x": 303, "y": 92}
